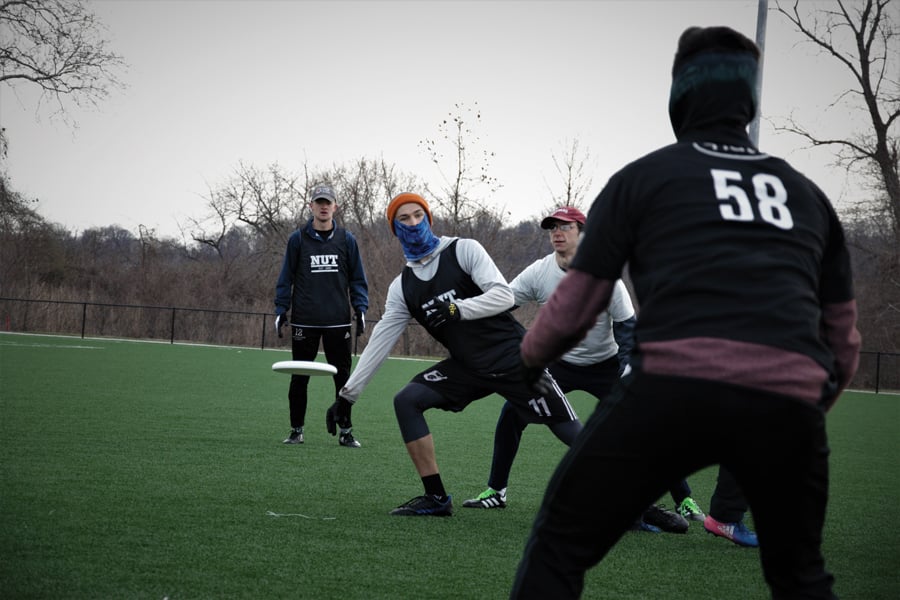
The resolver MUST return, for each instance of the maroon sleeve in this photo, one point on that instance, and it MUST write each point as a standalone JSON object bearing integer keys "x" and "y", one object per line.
{"x": 566, "y": 317}
{"x": 841, "y": 335}
{"x": 839, "y": 307}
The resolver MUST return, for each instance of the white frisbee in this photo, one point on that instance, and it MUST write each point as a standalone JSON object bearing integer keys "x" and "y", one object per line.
{"x": 303, "y": 367}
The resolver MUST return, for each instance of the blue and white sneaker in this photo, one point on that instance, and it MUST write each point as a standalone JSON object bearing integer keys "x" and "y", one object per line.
{"x": 734, "y": 532}
{"x": 425, "y": 506}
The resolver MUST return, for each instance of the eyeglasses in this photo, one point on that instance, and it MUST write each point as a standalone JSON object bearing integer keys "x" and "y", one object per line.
{"x": 562, "y": 227}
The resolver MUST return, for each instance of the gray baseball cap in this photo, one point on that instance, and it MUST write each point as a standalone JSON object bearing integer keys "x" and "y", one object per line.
{"x": 323, "y": 191}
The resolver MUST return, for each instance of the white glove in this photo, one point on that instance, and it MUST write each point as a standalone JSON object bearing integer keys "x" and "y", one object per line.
{"x": 280, "y": 321}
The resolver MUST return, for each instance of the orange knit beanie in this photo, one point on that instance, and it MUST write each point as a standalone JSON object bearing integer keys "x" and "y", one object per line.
{"x": 405, "y": 198}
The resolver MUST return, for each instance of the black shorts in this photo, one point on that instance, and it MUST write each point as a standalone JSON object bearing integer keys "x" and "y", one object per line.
{"x": 459, "y": 386}
{"x": 596, "y": 379}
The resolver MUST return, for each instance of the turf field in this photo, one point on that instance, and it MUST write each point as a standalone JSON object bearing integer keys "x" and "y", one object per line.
{"x": 147, "y": 470}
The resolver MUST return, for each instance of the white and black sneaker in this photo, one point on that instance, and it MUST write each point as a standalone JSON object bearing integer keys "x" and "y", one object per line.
{"x": 489, "y": 498}
{"x": 295, "y": 437}
{"x": 348, "y": 440}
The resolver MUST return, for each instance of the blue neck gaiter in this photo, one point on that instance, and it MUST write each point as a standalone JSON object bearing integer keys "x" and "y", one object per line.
{"x": 417, "y": 241}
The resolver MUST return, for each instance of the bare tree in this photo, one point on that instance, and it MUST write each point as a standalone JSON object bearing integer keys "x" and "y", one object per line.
{"x": 251, "y": 215}
{"x": 573, "y": 170}
{"x": 364, "y": 189}
{"x": 862, "y": 37}
{"x": 464, "y": 196}
{"x": 269, "y": 202}
{"x": 58, "y": 46}
{"x": 211, "y": 229}
{"x": 16, "y": 212}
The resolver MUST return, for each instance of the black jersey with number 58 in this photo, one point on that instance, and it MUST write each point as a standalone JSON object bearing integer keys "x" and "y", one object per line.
{"x": 720, "y": 241}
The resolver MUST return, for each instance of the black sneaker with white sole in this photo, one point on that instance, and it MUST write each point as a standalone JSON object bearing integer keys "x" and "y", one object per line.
{"x": 425, "y": 506}
{"x": 348, "y": 440}
{"x": 666, "y": 520}
{"x": 295, "y": 437}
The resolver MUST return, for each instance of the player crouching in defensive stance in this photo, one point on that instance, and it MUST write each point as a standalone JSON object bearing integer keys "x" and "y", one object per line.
{"x": 452, "y": 287}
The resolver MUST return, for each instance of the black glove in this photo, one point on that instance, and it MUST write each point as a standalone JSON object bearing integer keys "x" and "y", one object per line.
{"x": 441, "y": 313}
{"x": 539, "y": 380}
{"x": 338, "y": 415}
{"x": 280, "y": 321}
{"x": 360, "y": 323}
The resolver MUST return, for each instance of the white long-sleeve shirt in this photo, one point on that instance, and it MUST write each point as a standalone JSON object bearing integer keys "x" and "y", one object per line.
{"x": 474, "y": 260}
{"x": 536, "y": 284}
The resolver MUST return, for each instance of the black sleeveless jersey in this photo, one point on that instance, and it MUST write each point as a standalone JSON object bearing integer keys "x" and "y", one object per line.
{"x": 321, "y": 281}
{"x": 487, "y": 346}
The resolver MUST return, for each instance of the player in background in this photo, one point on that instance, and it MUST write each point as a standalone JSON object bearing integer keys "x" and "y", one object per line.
{"x": 747, "y": 335}
{"x": 321, "y": 278}
{"x": 452, "y": 287}
{"x": 593, "y": 366}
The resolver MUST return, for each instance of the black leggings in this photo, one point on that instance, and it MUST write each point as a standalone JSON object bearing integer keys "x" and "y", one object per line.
{"x": 305, "y": 346}
{"x": 409, "y": 404}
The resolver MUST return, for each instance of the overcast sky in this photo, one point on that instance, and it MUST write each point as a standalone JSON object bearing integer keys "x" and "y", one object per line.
{"x": 212, "y": 83}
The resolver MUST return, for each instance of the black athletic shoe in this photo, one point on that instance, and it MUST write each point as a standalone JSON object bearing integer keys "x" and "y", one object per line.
{"x": 639, "y": 525}
{"x": 425, "y": 506}
{"x": 348, "y": 440}
{"x": 296, "y": 436}
{"x": 666, "y": 520}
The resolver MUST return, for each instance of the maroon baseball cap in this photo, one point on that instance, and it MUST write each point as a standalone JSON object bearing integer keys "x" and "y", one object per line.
{"x": 566, "y": 213}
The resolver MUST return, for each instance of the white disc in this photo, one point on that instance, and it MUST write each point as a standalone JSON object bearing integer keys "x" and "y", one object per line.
{"x": 304, "y": 367}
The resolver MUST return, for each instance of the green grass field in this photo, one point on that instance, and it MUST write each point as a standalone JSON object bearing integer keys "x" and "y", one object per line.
{"x": 142, "y": 470}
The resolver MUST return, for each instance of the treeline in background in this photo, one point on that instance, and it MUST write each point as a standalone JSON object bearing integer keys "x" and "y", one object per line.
{"x": 228, "y": 259}
{"x": 221, "y": 272}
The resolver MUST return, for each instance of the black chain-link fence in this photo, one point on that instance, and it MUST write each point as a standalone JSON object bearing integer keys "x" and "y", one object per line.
{"x": 176, "y": 324}
{"x": 878, "y": 371}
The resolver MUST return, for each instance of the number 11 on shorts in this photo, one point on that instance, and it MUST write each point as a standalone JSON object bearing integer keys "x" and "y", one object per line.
{"x": 539, "y": 405}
